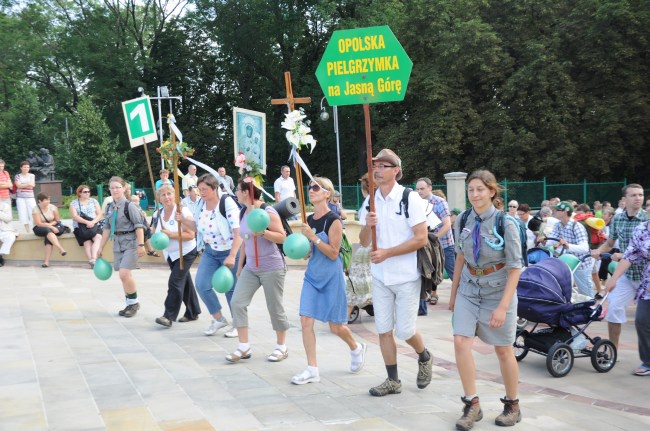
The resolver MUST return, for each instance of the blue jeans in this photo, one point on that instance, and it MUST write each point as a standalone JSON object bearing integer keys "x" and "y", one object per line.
{"x": 450, "y": 261}
{"x": 584, "y": 282}
{"x": 211, "y": 260}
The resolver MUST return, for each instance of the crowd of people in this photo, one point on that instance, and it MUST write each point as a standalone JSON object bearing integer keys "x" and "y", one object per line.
{"x": 213, "y": 222}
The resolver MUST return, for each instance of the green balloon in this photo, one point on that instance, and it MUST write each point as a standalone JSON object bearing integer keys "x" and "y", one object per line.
{"x": 102, "y": 269}
{"x": 296, "y": 246}
{"x": 159, "y": 241}
{"x": 258, "y": 220}
{"x": 612, "y": 267}
{"x": 444, "y": 274}
{"x": 572, "y": 261}
{"x": 222, "y": 279}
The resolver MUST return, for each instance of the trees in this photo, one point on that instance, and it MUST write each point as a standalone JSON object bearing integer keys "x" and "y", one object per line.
{"x": 90, "y": 156}
{"x": 526, "y": 88}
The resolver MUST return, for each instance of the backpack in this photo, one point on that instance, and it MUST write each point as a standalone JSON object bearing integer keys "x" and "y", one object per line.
{"x": 595, "y": 237}
{"x": 285, "y": 225}
{"x": 437, "y": 253}
{"x": 346, "y": 252}
{"x": 499, "y": 224}
{"x": 222, "y": 204}
{"x": 147, "y": 227}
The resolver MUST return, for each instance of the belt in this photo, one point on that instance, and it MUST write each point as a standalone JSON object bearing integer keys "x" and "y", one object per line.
{"x": 485, "y": 271}
{"x": 124, "y": 232}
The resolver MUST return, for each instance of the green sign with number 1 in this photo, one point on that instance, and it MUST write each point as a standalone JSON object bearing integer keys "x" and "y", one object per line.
{"x": 139, "y": 121}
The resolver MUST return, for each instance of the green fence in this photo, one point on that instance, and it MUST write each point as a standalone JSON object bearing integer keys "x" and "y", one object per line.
{"x": 530, "y": 192}
{"x": 534, "y": 192}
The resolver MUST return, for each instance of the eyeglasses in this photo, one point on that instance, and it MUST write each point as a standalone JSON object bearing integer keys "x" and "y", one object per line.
{"x": 314, "y": 187}
{"x": 382, "y": 166}
{"x": 85, "y": 191}
{"x": 513, "y": 206}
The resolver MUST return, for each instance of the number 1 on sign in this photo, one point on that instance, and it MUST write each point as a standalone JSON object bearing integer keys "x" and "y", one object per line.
{"x": 140, "y": 111}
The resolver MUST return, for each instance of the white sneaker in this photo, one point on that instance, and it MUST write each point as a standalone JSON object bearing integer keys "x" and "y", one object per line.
{"x": 304, "y": 378}
{"x": 357, "y": 361}
{"x": 232, "y": 333}
{"x": 215, "y": 326}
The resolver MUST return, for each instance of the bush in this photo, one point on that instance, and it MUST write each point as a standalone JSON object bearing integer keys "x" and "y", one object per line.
{"x": 65, "y": 200}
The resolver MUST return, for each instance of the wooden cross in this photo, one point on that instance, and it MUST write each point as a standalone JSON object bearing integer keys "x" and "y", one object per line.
{"x": 292, "y": 101}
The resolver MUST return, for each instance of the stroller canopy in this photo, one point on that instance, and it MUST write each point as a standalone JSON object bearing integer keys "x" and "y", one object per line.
{"x": 544, "y": 292}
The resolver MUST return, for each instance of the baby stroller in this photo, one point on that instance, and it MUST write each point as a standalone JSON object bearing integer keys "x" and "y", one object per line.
{"x": 544, "y": 296}
{"x": 358, "y": 283}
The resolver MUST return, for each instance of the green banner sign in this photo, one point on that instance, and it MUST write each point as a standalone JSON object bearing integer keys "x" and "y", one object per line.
{"x": 139, "y": 121}
{"x": 364, "y": 65}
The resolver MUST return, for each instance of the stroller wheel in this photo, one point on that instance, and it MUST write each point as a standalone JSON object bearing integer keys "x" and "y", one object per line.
{"x": 519, "y": 347}
{"x": 521, "y": 323}
{"x": 559, "y": 360}
{"x": 603, "y": 356}
{"x": 354, "y": 315}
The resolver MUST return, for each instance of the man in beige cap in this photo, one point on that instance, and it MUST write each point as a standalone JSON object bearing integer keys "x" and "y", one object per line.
{"x": 395, "y": 275}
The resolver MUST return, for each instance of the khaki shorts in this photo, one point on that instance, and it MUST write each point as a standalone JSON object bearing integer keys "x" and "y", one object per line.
{"x": 125, "y": 252}
{"x": 396, "y": 307}
{"x": 476, "y": 299}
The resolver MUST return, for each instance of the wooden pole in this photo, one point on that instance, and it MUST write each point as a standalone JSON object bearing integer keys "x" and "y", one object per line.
{"x": 291, "y": 101}
{"x": 153, "y": 184}
{"x": 371, "y": 177}
{"x": 177, "y": 195}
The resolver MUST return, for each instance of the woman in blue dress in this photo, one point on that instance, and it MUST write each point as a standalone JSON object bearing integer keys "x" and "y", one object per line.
{"x": 323, "y": 291}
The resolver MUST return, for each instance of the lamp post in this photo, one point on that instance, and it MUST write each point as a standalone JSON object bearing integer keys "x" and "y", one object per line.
{"x": 324, "y": 116}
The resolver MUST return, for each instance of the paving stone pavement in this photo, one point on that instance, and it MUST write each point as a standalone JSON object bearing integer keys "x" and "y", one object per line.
{"x": 69, "y": 362}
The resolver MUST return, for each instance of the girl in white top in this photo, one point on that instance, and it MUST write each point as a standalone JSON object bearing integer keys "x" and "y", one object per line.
{"x": 180, "y": 287}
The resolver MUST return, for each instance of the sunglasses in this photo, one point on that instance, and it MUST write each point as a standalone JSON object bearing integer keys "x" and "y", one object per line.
{"x": 513, "y": 206}
{"x": 85, "y": 191}
{"x": 314, "y": 187}
{"x": 383, "y": 166}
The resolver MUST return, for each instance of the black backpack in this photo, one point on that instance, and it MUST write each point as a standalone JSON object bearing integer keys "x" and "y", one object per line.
{"x": 285, "y": 225}
{"x": 222, "y": 204}
{"x": 500, "y": 216}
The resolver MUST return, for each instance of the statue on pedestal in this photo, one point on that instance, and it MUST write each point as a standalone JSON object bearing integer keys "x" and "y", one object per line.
{"x": 41, "y": 165}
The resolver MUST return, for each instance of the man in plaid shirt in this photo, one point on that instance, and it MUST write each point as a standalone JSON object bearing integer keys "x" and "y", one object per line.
{"x": 440, "y": 208}
{"x": 621, "y": 229}
{"x": 573, "y": 236}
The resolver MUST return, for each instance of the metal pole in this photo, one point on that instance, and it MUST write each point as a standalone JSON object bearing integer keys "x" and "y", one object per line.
{"x": 338, "y": 151}
{"x": 160, "y": 131}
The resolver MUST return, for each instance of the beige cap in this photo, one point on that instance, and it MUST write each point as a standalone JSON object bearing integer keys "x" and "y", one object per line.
{"x": 387, "y": 155}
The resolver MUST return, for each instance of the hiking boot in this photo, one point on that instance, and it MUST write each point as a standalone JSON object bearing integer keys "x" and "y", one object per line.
{"x": 424, "y": 372}
{"x": 471, "y": 413}
{"x": 388, "y": 387}
{"x": 130, "y": 310}
{"x": 511, "y": 413}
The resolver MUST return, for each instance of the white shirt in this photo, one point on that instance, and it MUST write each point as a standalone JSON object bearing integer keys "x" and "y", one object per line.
{"x": 286, "y": 188}
{"x": 172, "y": 250}
{"x": 393, "y": 228}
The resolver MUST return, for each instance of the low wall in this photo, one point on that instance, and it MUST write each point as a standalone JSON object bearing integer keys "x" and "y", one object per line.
{"x": 29, "y": 247}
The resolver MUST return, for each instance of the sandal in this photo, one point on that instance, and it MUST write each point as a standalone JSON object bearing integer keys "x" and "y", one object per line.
{"x": 642, "y": 371}
{"x": 433, "y": 300}
{"x": 153, "y": 253}
{"x": 238, "y": 355}
{"x": 278, "y": 355}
